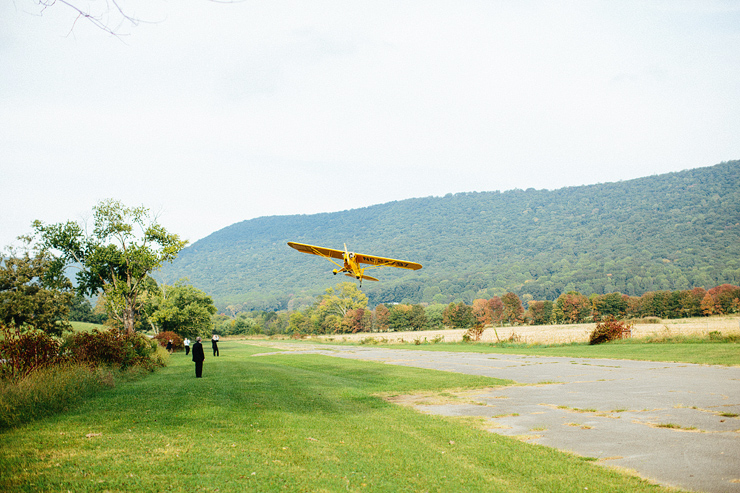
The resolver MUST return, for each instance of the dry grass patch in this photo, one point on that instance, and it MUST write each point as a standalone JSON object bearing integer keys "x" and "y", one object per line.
{"x": 550, "y": 334}
{"x": 437, "y": 398}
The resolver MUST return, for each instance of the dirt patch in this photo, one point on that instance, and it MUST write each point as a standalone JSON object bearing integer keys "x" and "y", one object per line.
{"x": 440, "y": 398}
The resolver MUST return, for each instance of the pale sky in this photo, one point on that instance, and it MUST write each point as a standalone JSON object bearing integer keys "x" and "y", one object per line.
{"x": 212, "y": 113}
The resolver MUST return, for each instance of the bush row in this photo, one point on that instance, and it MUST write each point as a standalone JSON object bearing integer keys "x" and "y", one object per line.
{"x": 24, "y": 351}
{"x": 41, "y": 375}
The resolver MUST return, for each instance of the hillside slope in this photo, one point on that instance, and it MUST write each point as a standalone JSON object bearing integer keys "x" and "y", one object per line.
{"x": 665, "y": 232}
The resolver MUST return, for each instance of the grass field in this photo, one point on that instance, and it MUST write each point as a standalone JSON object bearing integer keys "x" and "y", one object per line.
{"x": 85, "y": 326}
{"x": 703, "y": 352}
{"x": 282, "y": 422}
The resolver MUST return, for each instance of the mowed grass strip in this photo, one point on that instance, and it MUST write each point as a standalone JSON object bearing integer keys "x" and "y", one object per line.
{"x": 294, "y": 422}
{"x": 701, "y": 352}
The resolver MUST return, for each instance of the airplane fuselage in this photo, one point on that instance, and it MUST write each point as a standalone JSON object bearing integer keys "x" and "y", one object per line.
{"x": 351, "y": 266}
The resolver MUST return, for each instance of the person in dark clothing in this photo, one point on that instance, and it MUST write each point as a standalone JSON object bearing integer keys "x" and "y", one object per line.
{"x": 198, "y": 357}
{"x": 169, "y": 346}
{"x": 214, "y": 344}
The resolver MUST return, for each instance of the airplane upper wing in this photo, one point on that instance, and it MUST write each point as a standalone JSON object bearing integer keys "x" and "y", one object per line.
{"x": 315, "y": 250}
{"x": 386, "y": 262}
{"x": 360, "y": 257}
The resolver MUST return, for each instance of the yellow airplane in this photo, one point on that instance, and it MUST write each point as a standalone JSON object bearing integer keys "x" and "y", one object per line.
{"x": 352, "y": 260}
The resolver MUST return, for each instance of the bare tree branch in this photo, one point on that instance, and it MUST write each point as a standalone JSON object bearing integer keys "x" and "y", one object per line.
{"x": 102, "y": 20}
{"x": 112, "y": 16}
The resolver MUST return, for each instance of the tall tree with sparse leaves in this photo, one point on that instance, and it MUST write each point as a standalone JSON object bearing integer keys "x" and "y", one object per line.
{"x": 125, "y": 246}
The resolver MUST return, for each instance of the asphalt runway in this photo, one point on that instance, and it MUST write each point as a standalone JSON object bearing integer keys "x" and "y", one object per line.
{"x": 675, "y": 424}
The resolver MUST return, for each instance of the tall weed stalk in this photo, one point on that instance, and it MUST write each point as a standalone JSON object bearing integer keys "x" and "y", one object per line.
{"x": 47, "y": 391}
{"x": 55, "y": 389}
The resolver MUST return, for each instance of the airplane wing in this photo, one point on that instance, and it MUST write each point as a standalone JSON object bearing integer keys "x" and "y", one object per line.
{"x": 361, "y": 258}
{"x": 386, "y": 262}
{"x": 316, "y": 250}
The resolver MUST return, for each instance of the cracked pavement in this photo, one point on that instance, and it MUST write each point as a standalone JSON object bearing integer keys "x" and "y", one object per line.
{"x": 675, "y": 424}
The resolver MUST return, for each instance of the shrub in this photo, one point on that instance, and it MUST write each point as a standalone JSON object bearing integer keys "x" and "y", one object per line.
{"x": 112, "y": 347}
{"x": 474, "y": 333}
{"x": 40, "y": 375}
{"x": 163, "y": 337}
{"x": 22, "y": 353}
{"x": 610, "y": 329}
{"x": 717, "y": 336}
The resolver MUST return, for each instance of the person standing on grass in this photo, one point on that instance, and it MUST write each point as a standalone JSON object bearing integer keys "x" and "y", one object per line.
{"x": 169, "y": 346}
{"x": 214, "y": 344}
{"x": 186, "y": 343}
{"x": 198, "y": 357}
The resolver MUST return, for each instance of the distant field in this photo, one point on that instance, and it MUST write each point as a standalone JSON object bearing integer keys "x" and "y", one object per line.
{"x": 553, "y": 334}
{"x": 85, "y": 326}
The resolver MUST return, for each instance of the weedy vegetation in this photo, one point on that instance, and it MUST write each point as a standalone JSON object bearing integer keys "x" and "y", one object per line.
{"x": 41, "y": 375}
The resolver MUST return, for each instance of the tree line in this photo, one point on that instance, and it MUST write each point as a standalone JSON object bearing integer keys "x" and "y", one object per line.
{"x": 115, "y": 262}
{"x": 344, "y": 309}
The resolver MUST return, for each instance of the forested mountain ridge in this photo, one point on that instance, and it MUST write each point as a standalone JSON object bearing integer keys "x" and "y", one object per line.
{"x": 666, "y": 232}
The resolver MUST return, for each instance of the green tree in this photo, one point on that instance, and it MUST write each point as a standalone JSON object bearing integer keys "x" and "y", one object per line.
{"x": 434, "y": 314}
{"x": 32, "y": 292}
{"x": 399, "y": 317}
{"x": 340, "y": 299}
{"x": 299, "y": 323}
{"x": 540, "y": 312}
{"x": 245, "y": 325}
{"x": 612, "y": 304}
{"x": 690, "y": 301}
{"x": 184, "y": 310}
{"x": 81, "y": 310}
{"x": 513, "y": 309}
{"x": 417, "y": 318}
{"x": 125, "y": 246}
{"x": 459, "y": 315}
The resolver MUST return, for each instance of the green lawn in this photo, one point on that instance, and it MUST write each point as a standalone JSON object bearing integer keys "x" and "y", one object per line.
{"x": 85, "y": 326}
{"x": 700, "y": 352}
{"x": 707, "y": 353}
{"x": 282, "y": 422}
